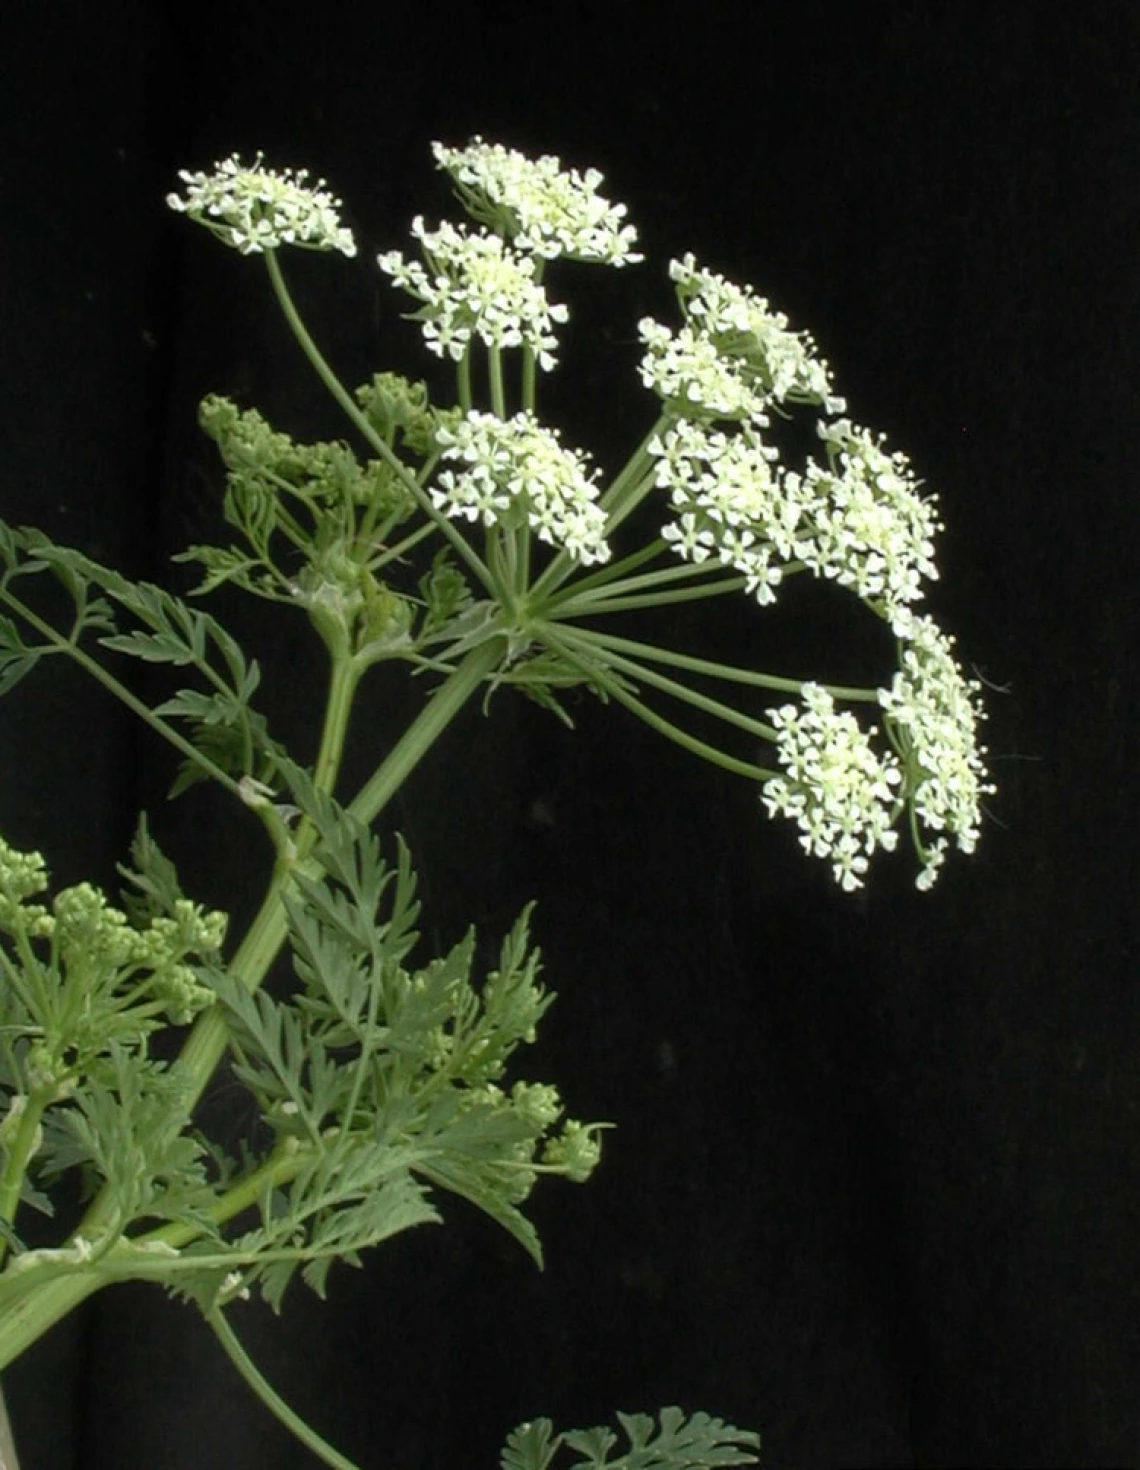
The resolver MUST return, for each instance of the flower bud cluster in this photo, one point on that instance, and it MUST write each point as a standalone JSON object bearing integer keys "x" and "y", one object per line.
{"x": 262, "y": 463}
{"x": 254, "y": 209}
{"x": 400, "y": 412}
{"x": 525, "y": 1116}
{"x": 22, "y": 875}
{"x": 575, "y": 1151}
{"x": 516, "y": 472}
{"x": 97, "y": 951}
{"x": 98, "y": 946}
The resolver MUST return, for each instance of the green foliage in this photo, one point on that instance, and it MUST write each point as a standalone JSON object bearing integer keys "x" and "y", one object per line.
{"x": 401, "y": 1062}
{"x": 224, "y": 729}
{"x": 445, "y": 594}
{"x": 17, "y": 656}
{"x": 401, "y": 414}
{"x": 123, "y": 1128}
{"x": 538, "y": 673}
{"x": 374, "y": 1079}
{"x": 306, "y": 496}
{"x": 83, "y": 987}
{"x": 699, "y": 1442}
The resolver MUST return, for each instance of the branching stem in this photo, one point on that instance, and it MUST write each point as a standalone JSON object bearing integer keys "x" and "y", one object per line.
{"x": 272, "y": 1400}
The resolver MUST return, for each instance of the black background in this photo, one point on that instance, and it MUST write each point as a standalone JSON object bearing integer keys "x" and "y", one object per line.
{"x": 874, "y": 1190}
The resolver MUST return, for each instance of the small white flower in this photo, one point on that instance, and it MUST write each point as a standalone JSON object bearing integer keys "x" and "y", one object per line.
{"x": 514, "y": 472}
{"x": 475, "y": 285}
{"x": 254, "y": 209}
{"x": 689, "y": 538}
{"x": 541, "y": 207}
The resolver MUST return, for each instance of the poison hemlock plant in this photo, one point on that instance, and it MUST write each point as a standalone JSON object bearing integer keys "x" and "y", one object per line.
{"x": 467, "y": 540}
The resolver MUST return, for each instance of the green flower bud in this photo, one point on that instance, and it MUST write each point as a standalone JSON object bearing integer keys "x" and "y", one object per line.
{"x": 576, "y": 1151}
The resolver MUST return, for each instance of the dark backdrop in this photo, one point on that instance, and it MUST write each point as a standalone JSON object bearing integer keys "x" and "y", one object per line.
{"x": 874, "y": 1190}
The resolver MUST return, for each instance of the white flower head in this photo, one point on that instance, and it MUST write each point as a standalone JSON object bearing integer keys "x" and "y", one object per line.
{"x": 254, "y": 209}
{"x": 842, "y": 795}
{"x": 543, "y": 208}
{"x": 936, "y": 711}
{"x": 733, "y": 502}
{"x": 687, "y": 370}
{"x": 476, "y": 285}
{"x": 873, "y": 530}
{"x": 514, "y": 472}
{"x": 735, "y": 355}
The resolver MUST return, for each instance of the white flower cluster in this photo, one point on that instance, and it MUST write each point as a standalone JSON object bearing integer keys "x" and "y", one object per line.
{"x": 871, "y": 529}
{"x": 543, "y": 208}
{"x": 688, "y": 370}
{"x": 516, "y": 472}
{"x": 841, "y": 794}
{"x": 731, "y": 503}
{"x": 475, "y": 285}
{"x": 860, "y": 522}
{"x": 935, "y": 711}
{"x": 254, "y": 209}
{"x": 734, "y": 356}
{"x": 845, "y": 798}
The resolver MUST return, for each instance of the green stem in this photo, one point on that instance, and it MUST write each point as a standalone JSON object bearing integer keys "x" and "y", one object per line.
{"x": 601, "y": 587}
{"x": 495, "y": 378}
{"x": 727, "y": 672}
{"x": 529, "y": 377}
{"x": 19, "y": 1150}
{"x": 596, "y": 607}
{"x": 26, "y": 1315}
{"x": 615, "y": 690}
{"x": 30, "y": 1305}
{"x": 610, "y": 572}
{"x": 281, "y": 1167}
{"x": 203, "y": 1048}
{"x": 121, "y": 692}
{"x": 271, "y": 1398}
{"x": 584, "y": 642}
{"x": 401, "y": 548}
{"x": 343, "y": 680}
{"x": 431, "y": 722}
{"x": 630, "y": 486}
{"x": 375, "y": 441}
